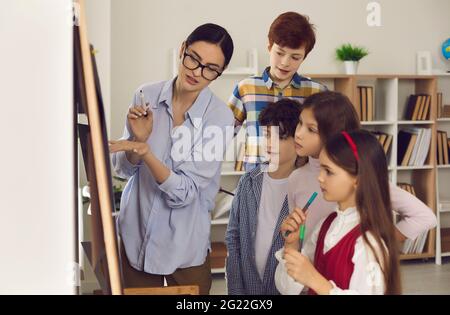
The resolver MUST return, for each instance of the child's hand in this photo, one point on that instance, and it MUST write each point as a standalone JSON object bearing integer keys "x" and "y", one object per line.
{"x": 292, "y": 224}
{"x": 140, "y": 148}
{"x": 299, "y": 267}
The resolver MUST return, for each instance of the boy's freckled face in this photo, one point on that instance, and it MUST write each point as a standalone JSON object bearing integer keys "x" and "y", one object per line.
{"x": 285, "y": 61}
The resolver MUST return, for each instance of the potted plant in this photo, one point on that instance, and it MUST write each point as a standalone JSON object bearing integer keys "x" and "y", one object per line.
{"x": 350, "y": 55}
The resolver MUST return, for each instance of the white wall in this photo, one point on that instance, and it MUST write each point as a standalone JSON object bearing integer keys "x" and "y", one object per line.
{"x": 37, "y": 226}
{"x": 98, "y": 19}
{"x": 144, "y": 32}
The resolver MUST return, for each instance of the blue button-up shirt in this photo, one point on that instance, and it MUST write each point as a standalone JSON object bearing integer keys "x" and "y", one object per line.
{"x": 167, "y": 226}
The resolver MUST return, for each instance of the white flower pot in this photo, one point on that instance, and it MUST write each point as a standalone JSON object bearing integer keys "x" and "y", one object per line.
{"x": 351, "y": 67}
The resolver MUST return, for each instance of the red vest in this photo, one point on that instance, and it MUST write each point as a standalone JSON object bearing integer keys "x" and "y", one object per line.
{"x": 336, "y": 264}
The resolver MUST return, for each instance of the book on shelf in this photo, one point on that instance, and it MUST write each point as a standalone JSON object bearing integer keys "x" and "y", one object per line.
{"x": 366, "y": 103}
{"x": 218, "y": 254}
{"x": 446, "y": 111}
{"x": 418, "y": 107}
{"x": 443, "y": 148}
{"x": 417, "y": 245}
{"x": 385, "y": 140}
{"x": 439, "y": 104}
{"x": 413, "y": 146}
{"x": 408, "y": 187}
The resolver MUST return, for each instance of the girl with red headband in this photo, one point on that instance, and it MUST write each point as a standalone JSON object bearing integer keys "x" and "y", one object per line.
{"x": 358, "y": 254}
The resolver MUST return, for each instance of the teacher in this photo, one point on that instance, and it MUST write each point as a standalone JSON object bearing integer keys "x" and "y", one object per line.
{"x": 164, "y": 221}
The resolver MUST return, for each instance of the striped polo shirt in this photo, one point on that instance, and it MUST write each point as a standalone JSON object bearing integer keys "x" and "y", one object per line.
{"x": 251, "y": 96}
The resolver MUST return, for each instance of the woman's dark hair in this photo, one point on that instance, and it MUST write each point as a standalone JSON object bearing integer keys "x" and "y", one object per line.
{"x": 334, "y": 112}
{"x": 372, "y": 197}
{"x": 214, "y": 34}
{"x": 283, "y": 114}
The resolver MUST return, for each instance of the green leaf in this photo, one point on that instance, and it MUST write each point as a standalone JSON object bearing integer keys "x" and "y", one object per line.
{"x": 347, "y": 52}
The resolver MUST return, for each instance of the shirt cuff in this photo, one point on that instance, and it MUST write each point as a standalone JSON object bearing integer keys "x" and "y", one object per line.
{"x": 170, "y": 183}
{"x": 127, "y": 164}
{"x": 285, "y": 284}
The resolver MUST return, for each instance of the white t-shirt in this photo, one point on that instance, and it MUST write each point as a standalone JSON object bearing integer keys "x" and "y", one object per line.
{"x": 273, "y": 193}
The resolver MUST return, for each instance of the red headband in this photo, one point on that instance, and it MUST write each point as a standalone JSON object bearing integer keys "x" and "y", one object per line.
{"x": 351, "y": 144}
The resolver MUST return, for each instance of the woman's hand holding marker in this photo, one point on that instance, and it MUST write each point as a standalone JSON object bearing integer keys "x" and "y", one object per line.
{"x": 140, "y": 120}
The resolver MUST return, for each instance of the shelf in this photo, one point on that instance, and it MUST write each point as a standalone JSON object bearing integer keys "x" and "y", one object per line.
{"x": 232, "y": 173}
{"x": 376, "y": 123}
{"x": 408, "y": 168}
{"x": 221, "y": 221}
{"x": 217, "y": 270}
{"x": 446, "y": 119}
{"x": 416, "y": 122}
{"x": 444, "y": 166}
{"x": 415, "y": 256}
{"x": 443, "y": 74}
{"x": 445, "y": 205}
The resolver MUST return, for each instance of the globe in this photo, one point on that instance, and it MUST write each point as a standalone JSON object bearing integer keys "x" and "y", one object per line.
{"x": 446, "y": 49}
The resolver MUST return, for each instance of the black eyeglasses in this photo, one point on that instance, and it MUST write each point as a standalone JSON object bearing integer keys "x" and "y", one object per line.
{"x": 191, "y": 63}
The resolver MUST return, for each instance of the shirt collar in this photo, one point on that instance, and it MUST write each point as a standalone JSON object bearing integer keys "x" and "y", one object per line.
{"x": 349, "y": 214}
{"x": 295, "y": 82}
{"x": 197, "y": 110}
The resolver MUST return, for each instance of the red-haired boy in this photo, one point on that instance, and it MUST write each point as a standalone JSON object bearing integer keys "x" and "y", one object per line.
{"x": 291, "y": 39}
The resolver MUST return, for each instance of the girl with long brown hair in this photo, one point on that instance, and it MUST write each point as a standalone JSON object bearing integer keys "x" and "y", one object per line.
{"x": 354, "y": 249}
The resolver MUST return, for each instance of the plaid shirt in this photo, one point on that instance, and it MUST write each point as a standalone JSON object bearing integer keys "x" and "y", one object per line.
{"x": 251, "y": 96}
{"x": 241, "y": 271}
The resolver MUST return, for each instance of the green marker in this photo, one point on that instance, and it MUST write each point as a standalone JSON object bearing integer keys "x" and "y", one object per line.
{"x": 302, "y": 227}
{"x": 301, "y": 236}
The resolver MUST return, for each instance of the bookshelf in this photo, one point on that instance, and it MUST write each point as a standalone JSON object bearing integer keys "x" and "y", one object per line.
{"x": 390, "y": 99}
{"x": 443, "y": 179}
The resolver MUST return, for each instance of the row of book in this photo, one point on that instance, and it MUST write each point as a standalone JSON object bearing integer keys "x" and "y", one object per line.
{"x": 408, "y": 187}
{"x": 385, "y": 140}
{"x": 418, "y": 107}
{"x": 443, "y": 110}
{"x": 218, "y": 255}
{"x": 443, "y": 150}
{"x": 417, "y": 245}
{"x": 366, "y": 103}
{"x": 413, "y": 146}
